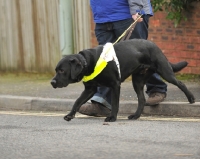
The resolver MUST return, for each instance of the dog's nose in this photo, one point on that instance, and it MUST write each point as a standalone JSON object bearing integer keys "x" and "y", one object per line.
{"x": 53, "y": 83}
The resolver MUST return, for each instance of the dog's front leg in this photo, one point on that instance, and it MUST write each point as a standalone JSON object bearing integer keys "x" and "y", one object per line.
{"x": 84, "y": 97}
{"x": 138, "y": 85}
{"x": 115, "y": 94}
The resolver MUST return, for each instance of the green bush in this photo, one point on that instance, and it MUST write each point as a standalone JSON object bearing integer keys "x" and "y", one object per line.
{"x": 175, "y": 8}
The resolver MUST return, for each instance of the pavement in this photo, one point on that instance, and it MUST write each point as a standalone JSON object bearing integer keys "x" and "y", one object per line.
{"x": 34, "y": 93}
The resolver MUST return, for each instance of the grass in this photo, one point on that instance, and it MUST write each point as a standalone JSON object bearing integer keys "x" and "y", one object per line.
{"x": 188, "y": 77}
{"x": 9, "y": 77}
{"x": 183, "y": 77}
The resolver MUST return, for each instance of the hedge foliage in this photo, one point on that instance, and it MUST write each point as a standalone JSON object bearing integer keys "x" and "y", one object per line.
{"x": 175, "y": 9}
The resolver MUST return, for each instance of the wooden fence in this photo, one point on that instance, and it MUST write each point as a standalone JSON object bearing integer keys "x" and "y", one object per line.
{"x": 29, "y": 35}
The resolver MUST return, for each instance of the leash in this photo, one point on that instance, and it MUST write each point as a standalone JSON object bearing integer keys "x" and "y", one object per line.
{"x": 128, "y": 31}
{"x": 103, "y": 60}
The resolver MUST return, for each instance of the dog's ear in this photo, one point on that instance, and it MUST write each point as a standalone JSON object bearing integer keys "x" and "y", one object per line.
{"x": 76, "y": 67}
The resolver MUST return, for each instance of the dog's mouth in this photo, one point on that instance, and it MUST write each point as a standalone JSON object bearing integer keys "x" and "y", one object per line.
{"x": 56, "y": 84}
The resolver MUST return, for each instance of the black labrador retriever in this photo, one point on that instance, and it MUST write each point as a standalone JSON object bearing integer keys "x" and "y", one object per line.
{"x": 137, "y": 57}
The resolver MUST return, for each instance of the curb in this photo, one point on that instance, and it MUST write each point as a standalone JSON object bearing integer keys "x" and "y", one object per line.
{"x": 23, "y": 103}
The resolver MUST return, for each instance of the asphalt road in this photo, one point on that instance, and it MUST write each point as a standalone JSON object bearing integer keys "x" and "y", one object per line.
{"x": 47, "y": 136}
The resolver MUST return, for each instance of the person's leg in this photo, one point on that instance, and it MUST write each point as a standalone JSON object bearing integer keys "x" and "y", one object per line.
{"x": 156, "y": 88}
{"x": 101, "y": 100}
{"x": 109, "y": 32}
{"x": 140, "y": 30}
{"x": 155, "y": 84}
{"x": 104, "y": 33}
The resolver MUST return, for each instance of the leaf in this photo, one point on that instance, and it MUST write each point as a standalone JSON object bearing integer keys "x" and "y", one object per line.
{"x": 174, "y": 8}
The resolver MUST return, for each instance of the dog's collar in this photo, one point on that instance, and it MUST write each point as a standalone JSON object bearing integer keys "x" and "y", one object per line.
{"x": 84, "y": 60}
{"x": 84, "y": 64}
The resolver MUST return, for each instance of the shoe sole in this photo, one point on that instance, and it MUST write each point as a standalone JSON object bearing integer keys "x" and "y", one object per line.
{"x": 95, "y": 115}
{"x": 147, "y": 104}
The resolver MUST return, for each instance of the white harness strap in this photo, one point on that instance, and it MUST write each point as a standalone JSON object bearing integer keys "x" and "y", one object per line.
{"x": 109, "y": 54}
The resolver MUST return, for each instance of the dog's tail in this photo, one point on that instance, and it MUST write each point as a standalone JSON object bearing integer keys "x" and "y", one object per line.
{"x": 179, "y": 66}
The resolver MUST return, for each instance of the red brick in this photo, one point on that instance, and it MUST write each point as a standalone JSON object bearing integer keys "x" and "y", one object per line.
{"x": 179, "y": 46}
{"x": 194, "y": 70}
{"x": 155, "y": 23}
{"x": 194, "y": 39}
{"x": 185, "y": 54}
{"x": 169, "y": 45}
{"x": 173, "y": 60}
{"x": 154, "y": 38}
{"x": 192, "y": 62}
{"x": 186, "y": 70}
{"x": 185, "y": 39}
{"x": 180, "y": 31}
{"x": 198, "y": 64}
{"x": 190, "y": 46}
{"x": 190, "y": 31}
{"x": 180, "y": 54}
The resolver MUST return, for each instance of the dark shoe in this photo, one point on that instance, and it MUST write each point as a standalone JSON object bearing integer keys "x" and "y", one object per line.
{"x": 155, "y": 98}
{"x": 94, "y": 109}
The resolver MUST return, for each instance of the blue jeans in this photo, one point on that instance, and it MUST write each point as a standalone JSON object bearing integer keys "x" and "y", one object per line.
{"x": 109, "y": 32}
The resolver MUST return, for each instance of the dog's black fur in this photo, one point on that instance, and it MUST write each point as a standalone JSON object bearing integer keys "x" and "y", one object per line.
{"x": 139, "y": 58}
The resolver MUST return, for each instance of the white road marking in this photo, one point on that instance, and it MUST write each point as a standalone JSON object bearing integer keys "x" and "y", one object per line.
{"x": 78, "y": 115}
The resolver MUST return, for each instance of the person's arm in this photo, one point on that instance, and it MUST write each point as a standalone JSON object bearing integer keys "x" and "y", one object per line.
{"x": 135, "y": 7}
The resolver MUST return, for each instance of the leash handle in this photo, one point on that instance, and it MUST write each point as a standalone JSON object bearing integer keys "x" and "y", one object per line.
{"x": 124, "y": 33}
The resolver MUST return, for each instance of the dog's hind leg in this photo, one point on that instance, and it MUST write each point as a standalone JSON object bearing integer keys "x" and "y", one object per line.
{"x": 169, "y": 76}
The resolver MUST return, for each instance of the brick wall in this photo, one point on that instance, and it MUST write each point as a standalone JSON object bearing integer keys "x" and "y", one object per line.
{"x": 181, "y": 43}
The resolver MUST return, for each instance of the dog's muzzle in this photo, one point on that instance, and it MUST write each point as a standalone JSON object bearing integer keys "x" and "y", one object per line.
{"x": 53, "y": 83}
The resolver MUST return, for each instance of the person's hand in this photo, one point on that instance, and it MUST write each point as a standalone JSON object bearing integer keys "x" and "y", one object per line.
{"x": 135, "y": 16}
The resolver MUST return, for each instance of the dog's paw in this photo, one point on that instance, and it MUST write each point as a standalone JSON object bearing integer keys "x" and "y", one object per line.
{"x": 133, "y": 116}
{"x": 191, "y": 100}
{"x": 68, "y": 117}
{"x": 110, "y": 119}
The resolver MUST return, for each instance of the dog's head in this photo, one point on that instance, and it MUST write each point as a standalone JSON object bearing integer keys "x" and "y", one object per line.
{"x": 68, "y": 70}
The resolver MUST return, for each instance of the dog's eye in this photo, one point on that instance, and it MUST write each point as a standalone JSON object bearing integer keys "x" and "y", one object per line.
{"x": 61, "y": 71}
